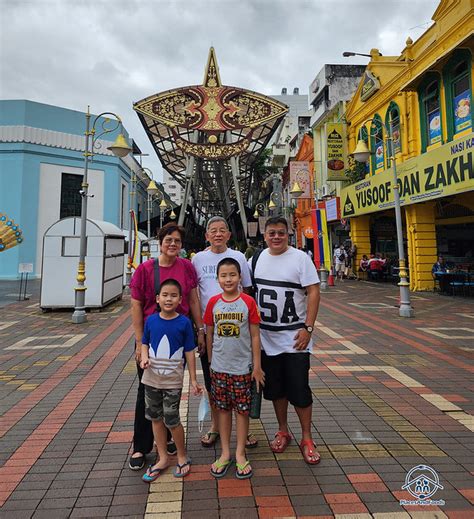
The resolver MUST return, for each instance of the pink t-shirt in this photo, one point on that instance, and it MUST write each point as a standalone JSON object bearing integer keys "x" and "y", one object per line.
{"x": 142, "y": 286}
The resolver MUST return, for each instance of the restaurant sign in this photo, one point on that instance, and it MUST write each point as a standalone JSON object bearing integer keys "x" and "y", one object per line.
{"x": 370, "y": 85}
{"x": 336, "y": 151}
{"x": 447, "y": 170}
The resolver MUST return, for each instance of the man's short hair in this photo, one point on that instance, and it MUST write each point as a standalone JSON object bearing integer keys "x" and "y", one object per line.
{"x": 215, "y": 219}
{"x": 229, "y": 261}
{"x": 276, "y": 220}
{"x": 171, "y": 282}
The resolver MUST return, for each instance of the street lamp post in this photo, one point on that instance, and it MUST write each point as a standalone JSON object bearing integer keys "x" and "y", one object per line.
{"x": 361, "y": 154}
{"x": 259, "y": 208}
{"x": 275, "y": 200}
{"x": 152, "y": 191}
{"x": 119, "y": 148}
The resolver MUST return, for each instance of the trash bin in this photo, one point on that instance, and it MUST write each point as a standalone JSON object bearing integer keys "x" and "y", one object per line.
{"x": 104, "y": 263}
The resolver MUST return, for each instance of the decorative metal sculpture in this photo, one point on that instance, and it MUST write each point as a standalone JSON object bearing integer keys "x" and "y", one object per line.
{"x": 207, "y": 137}
{"x": 10, "y": 233}
{"x": 213, "y": 109}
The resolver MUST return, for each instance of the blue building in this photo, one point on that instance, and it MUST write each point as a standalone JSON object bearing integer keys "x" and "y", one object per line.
{"x": 41, "y": 168}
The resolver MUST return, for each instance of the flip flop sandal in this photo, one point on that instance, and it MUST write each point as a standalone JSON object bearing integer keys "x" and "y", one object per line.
{"x": 177, "y": 471}
{"x": 281, "y": 442}
{"x": 152, "y": 474}
{"x": 212, "y": 437}
{"x": 221, "y": 464}
{"x": 251, "y": 442}
{"x": 240, "y": 474}
{"x": 310, "y": 452}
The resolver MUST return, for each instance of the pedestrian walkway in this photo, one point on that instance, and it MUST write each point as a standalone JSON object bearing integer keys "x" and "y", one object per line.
{"x": 390, "y": 394}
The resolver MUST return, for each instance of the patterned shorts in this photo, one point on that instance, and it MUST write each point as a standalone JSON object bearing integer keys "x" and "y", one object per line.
{"x": 163, "y": 404}
{"x": 231, "y": 392}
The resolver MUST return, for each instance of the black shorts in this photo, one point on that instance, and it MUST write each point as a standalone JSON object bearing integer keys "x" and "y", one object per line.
{"x": 287, "y": 376}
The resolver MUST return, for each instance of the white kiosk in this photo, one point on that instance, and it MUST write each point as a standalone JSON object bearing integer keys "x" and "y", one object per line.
{"x": 104, "y": 263}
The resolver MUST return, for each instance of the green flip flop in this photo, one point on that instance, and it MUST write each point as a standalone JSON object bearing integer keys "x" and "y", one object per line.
{"x": 240, "y": 474}
{"x": 221, "y": 465}
{"x": 211, "y": 437}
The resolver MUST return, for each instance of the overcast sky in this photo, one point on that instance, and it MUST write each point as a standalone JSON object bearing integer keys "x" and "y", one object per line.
{"x": 111, "y": 53}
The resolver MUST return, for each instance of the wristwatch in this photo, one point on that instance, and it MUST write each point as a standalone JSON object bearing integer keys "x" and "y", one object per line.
{"x": 309, "y": 328}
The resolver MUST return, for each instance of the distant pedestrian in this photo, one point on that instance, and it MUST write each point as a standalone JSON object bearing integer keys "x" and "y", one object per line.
{"x": 339, "y": 261}
{"x": 288, "y": 299}
{"x": 167, "y": 340}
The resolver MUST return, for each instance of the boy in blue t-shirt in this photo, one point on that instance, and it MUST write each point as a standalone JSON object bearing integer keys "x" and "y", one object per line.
{"x": 167, "y": 341}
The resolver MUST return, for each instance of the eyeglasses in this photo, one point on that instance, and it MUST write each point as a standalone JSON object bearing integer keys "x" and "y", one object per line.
{"x": 280, "y": 234}
{"x": 169, "y": 241}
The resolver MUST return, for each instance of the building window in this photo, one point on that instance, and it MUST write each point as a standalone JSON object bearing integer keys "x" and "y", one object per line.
{"x": 71, "y": 199}
{"x": 392, "y": 122}
{"x": 457, "y": 82}
{"x": 431, "y": 123}
{"x": 376, "y": 144}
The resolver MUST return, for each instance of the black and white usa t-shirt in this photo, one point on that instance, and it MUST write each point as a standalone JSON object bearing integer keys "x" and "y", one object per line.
{"x": 281, "y": 297}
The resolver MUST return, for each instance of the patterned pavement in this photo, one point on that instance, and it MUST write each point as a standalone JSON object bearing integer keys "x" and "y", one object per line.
{"x": 389, "y": 394}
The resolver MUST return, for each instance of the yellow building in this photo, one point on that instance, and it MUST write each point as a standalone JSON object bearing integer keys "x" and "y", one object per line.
{"x": 424, "y": 99}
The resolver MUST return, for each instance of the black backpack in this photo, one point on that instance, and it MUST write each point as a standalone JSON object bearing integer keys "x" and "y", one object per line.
{"x": 252, "y": 272}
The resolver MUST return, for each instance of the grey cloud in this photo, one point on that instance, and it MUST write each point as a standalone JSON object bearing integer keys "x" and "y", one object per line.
{"x": 108, "y": 54}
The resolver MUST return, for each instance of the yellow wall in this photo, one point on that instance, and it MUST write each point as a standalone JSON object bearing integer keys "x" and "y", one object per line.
{"x": 422, "y": 249}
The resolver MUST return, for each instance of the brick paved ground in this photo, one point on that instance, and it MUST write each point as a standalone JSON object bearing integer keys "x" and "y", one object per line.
{"x": 389, "y": 394}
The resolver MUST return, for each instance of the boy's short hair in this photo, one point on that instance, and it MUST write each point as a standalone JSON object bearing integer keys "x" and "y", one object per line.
{"x": 229, "y": 261}
{"x": 173, "y": 283}
{"x": 276, "y": 220}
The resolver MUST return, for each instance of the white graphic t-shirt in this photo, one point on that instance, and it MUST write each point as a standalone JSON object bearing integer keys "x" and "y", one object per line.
{"x": 205, "y": 263}
{"x": 281, "y": 297}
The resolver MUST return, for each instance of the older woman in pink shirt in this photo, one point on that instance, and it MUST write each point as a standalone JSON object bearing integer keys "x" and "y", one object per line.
{"x": 143, "y": 304}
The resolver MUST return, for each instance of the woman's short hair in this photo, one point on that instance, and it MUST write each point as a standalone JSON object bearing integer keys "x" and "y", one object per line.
{"x": 168, "y": 229}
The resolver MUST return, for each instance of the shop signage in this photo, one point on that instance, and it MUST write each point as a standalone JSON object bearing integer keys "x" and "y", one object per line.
{"x": 370, "y": 85}
{"x": 336, "y": 151}
{"x": 308, "y": 232}
{"x": 447, "y": 170}
{"x": 333, "y": 210}
{"x": 299, "y": 172}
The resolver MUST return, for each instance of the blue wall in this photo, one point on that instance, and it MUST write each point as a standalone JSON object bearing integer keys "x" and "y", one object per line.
{"x": 20, "y": 174}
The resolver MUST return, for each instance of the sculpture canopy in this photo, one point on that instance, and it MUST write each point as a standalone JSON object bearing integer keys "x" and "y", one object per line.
{"x": 214, "y": 124}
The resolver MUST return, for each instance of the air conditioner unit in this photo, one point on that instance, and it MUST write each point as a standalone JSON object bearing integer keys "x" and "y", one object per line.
{"x": 325, "y": 190}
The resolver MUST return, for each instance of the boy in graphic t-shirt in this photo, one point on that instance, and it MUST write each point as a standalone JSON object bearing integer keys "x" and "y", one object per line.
{"x": 167, "y": 340}
{"x": 233, "y": 343}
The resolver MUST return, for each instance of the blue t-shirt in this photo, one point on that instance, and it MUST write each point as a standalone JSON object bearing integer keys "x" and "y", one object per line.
{"x": 167, "y": 340}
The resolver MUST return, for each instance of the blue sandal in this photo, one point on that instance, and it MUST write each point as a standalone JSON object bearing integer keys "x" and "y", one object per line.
{"x": 177, "y": 471}
{"x": 152, "y": 474}
{"x": 221, "y": 465}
